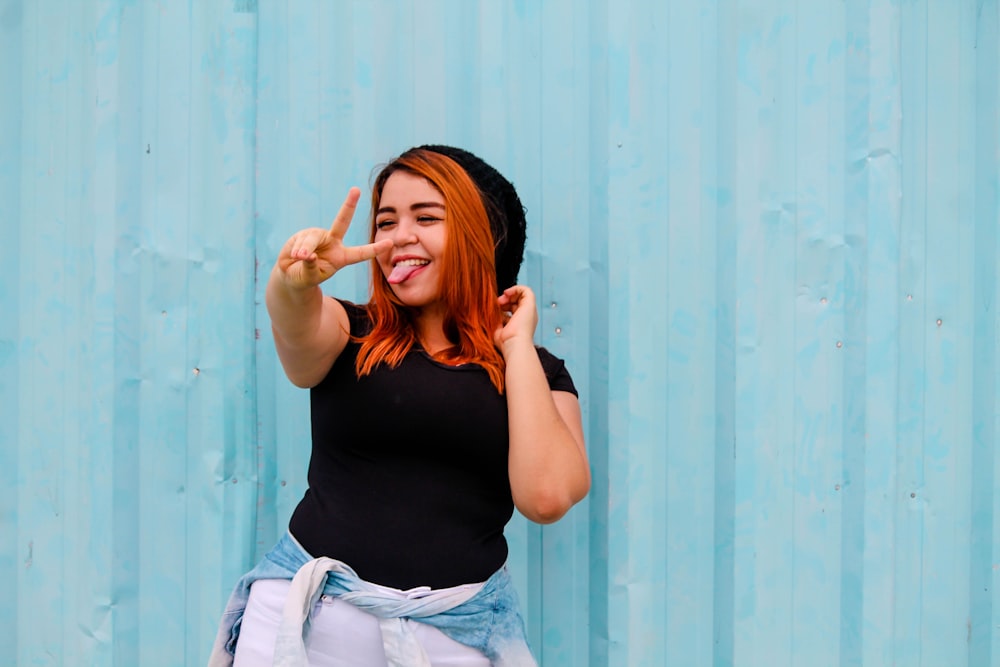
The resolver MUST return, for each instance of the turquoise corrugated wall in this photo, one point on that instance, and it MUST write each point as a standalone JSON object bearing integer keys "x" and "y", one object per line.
{"x": 764, "y": 234}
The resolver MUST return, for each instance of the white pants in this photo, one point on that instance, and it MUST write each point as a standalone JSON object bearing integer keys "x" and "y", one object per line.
{"x": 340, "y": 635}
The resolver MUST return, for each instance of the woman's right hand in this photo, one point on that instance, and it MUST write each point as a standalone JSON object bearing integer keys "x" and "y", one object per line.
{"x": 313, "y": 255}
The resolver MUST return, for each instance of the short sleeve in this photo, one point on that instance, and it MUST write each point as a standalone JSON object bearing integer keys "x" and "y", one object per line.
{"x": 361, "y": 323}
{"x": 555, "y": 372}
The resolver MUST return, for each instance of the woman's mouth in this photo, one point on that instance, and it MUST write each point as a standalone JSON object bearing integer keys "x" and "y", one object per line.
{"x": 404, "y": 269}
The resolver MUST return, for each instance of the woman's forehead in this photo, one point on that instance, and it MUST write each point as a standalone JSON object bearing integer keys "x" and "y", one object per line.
{"x": 406, "y": 185}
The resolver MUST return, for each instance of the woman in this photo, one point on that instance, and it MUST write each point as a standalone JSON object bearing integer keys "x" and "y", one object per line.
{"x": 433, "y": 415}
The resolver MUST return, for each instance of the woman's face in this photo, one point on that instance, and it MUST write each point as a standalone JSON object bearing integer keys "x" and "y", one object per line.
{"x": 411, "y": 213}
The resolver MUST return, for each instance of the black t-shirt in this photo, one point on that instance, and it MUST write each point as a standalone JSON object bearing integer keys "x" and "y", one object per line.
{"x": 408, "y": 476}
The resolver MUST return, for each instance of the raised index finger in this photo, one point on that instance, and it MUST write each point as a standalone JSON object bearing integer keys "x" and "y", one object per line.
{"x": 343, "y": 220}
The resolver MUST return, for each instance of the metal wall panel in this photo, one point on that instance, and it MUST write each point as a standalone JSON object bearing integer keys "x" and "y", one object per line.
{"x": 763, "y": 235}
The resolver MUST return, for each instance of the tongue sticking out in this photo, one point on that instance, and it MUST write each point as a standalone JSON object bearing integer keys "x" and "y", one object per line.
{"x": 401, "y": 272}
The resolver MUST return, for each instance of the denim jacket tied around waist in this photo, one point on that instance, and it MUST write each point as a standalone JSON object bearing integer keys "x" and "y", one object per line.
{"x": 485, "y": 616}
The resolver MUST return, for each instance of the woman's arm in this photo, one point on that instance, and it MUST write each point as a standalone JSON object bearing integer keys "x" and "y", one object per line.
{"x": 547, "y": 462}
{"x": 310, "y": 331}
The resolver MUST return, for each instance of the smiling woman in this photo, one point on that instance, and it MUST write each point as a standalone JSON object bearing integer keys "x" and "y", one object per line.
{"x": 417, "y": 199}
{"x": 419, "y": 221}
{"x": 433, "y": 416}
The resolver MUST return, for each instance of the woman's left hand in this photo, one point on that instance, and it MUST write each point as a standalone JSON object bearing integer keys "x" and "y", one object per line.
{"x": 521, "y": 317}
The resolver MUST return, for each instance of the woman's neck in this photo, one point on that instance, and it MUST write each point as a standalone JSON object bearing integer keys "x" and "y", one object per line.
{"x": 429, "y": 326}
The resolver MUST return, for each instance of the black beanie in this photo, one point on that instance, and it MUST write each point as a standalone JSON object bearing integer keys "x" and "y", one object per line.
{"x": 503, "y": 206}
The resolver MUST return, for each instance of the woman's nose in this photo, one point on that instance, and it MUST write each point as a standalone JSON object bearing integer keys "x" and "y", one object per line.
{"x": 404, "y": 234}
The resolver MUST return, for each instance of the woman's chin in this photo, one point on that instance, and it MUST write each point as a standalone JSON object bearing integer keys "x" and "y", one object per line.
{"x": 419, "y": 303}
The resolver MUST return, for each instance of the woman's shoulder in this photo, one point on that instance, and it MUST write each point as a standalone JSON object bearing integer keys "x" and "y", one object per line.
{"x": 555, "y": 371}
{"x": 357, "y": 315}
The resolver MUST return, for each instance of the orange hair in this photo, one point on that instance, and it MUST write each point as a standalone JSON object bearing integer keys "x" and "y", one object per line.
{"x": 468, "y": 277}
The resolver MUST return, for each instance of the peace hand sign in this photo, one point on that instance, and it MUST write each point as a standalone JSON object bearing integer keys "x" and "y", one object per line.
{"x": 313, "y": 255}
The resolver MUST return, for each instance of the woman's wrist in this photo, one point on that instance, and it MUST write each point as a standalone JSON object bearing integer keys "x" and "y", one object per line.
{"x": 292, "y": 290}
{"x": 516, "y": 345}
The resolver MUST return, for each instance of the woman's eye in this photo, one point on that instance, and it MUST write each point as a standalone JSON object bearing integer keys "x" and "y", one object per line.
{"x": 427, "y": 219}
{"x": 384, "y": 224}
